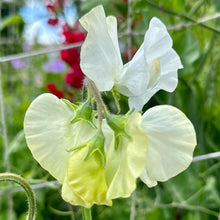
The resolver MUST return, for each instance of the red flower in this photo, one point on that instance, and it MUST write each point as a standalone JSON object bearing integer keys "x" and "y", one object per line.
{"x": 75, "y": 77}
{"x": 120, "y": 17}
{"x": 133, "y": 51}
{"x": 54, "y": 6}
{"x": 53, "y": 89}
{"x": 53, "y": 21}
{"x": 50, "y": 8}
{"x": 126, "y": 1}
{"x": 71, "y": 56}
{"x": 137, "y": 22}
{"x": 65, "y": 27}
{"x": 72, "y": 37}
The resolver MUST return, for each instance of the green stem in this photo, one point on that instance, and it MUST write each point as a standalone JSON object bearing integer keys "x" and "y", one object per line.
{"x": 26, "y": 186}
{"x": 86, "y": 213}
{"x": 4, "y": 126}
{"x": 99, "y": 102}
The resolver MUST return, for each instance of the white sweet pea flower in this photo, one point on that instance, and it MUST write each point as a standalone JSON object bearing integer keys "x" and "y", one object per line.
{"x": 171, "y": 142}
{"x": 153, "y": 67}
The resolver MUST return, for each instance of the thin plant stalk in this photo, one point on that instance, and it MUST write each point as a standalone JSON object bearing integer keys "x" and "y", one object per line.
{"x": 86, "y": 213}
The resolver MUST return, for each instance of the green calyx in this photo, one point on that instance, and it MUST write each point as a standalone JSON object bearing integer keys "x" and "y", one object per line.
{"x": 96, "y": 148}
{"x": 118, "y": 123}
{"x": 70, "y": 104}
{"x": 84, "y": 113}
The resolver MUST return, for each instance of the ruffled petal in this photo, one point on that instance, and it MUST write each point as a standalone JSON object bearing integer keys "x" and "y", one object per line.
{"x": 87, "y": 179}
{"x": 100, "y": 56}
{"x": 167, "y": 82}
{"x": 127, "y": 162}
{"x": 171, "y": 142}
{"x": 157, "y": 40}
{"x": 170, "y": 61}
{"x": 153, "y": 67}
{"x": 69, "y": 196}
{"x": 47, "y": 131}
{"x": 50, "y": 135}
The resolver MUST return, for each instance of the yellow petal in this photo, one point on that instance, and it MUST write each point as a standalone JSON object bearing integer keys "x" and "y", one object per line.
{"x": 87, "y": 179}
{"x": 69, "y": 196}
{"x": 125, "y": 164}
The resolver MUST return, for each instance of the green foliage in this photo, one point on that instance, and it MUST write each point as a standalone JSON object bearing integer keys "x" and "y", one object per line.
{"x": 15, "y": 20}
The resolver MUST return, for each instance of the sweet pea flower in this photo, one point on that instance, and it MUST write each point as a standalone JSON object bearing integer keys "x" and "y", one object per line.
{"x": 94, "y": 166}
{"x": 153, "y": 67}
{"x": 73, "y": 152}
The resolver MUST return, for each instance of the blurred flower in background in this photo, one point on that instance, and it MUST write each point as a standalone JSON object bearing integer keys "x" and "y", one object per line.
{"x": 57, "y": 66}
{"x": 75, "y": 76}
{"x": 53, "y": 89}
{"x": 17, "y": 64}
{"x": 41, "y": 23}
{"x": 52, "y": 22}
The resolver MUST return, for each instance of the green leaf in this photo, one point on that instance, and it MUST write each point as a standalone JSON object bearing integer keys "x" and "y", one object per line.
{"x": 15, "y": 20}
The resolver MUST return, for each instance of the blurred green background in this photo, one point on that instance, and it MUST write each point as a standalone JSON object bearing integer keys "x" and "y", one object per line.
{"x": 193, "y": 194}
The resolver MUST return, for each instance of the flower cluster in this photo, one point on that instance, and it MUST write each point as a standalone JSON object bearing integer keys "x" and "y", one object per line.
{"x": 98, "y": 160}
{"x": 75, "y": 76}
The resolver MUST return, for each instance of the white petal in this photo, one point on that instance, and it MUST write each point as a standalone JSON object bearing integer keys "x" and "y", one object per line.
{"x": 111, "y": 22}
{"x": 167, "y": 82}
{"x": 170, "y": 61}
{"x": 46, "y": 126}
{"x": 153, "y": 67}
{"x": 157, "y": 40}
{"x": 49, "y": 133}
{"x": 155, "y": 22}
{"x": 135, "y": 75}
{"x": 137, "y": 102}
{"x": 171, "y": 141}
{"x": 100, "y": 57}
